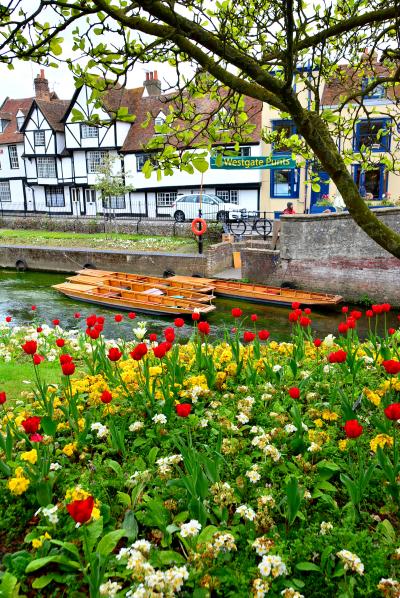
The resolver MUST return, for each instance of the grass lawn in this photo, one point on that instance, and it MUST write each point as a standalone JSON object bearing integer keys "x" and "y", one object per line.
{"x": 97, "y": 240}
{"x": 14, "y": 377}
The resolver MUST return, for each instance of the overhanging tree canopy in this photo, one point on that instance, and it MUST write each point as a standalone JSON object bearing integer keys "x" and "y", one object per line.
{"x": 265, "y": 49}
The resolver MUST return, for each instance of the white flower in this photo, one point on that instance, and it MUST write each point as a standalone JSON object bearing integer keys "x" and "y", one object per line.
{"x": 253, "y": 476}
{"x": 329, "y": 340}
{"x": 159, "y": 418}
{"x": 290, "y": 428}
{"x": 143, "y": 546}
{"x": 55, "y": 466}
{"x": 223, "y": 542}
{"x": 110, "y": 588}
{"x": 327, "y": 368}
{"x": 50, "y": 512}
{"x": 351, "y": 561}
{"x": 242, "y": 418}
{"x": 272, "y": 564}
{"x": 314, "y": 448}
{"x": 139, "y": 332}
{"x": 291, "y": 593}
{"x": 325, "y": 528}
{"x": 102, "y": 431}
{"x": 276, "y": 368}
{"x": 190, "y": 529}
{"x": 272, "y": 452}
{"x": 203, "y": 423}
{"x": 136, "y": 426}
{"x": 246, "y": 512}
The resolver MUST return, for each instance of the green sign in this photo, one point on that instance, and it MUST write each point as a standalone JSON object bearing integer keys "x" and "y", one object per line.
{"x": 252, "y": 162}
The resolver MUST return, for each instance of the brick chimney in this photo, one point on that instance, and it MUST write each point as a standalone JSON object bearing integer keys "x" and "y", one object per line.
{"x": 152, "y": 85}
{"x": 42, "y": 91}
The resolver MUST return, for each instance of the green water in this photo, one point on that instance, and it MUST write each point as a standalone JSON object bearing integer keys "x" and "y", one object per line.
{"x": 19, "y": 290}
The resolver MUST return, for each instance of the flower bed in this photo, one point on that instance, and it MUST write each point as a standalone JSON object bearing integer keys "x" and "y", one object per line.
{"x": 236, "y": 468}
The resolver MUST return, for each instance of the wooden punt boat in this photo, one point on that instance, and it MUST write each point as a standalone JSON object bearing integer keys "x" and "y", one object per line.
{"x": 175, "y": 291}
{"x": 132, "y": 300}
{"x": 264, "y": 294}
{"x": 200, "y": 285}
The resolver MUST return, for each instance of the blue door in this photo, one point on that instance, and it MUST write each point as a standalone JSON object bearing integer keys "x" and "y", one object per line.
{"x": 324, "y": 188}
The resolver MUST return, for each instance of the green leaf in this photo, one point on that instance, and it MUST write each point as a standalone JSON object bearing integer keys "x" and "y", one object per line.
{"x": 49, "y": 426}
{"x": 387, "y": 530}
{"x": 44, "y": 493}
{"x": 8, "y": 586}
{"x": 201, "y": 164}
{"x": 114, "y": 465}
{"x": 306, "y": 566}
{"x": 72, "y": 548}
{"x": 168, "y": 557}
{"x": 151, "y": 458}
{"x": 44, "y": 580}
{"x": 206, "y": 534}
{"x": 293, "y": 499}
{"x": 42, "y": 562}
{"x": 124, "y": 499}
{"x": 94, "y": 531}
{"x": 109, "y": 542}
{"x": 130, "y": 526}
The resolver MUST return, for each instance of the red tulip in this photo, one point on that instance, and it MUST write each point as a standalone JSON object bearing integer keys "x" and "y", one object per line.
{"x": 179, "y": 322}
{"x": 386, "y": 307}
{"x": 237, "y": 312}
{"x": 317, "y": 342}
{"x": 263, "y": 335}
{"x": 36, "y": 437}
{"x": 139, "y": 351}
{"x": 195, "y": 316}
{"x": 342, "y": 328}
{"x": 114, "y": 354}
{"x": 345, "y": 309}
{"x": 254, "y": 317}
{"x": 160, "y": 350}
{"x": 68, "y": 368}
{"x": 81, "y": 510}
{"x": 65, "y": 358}
{"x": 307, "y": 311}
{"x": 106, "y": 397}
{"x": 91, "y": 320}
{"x": 183, "y": 410}
{"x": 248, "y": 337}
{"x": 169, "y": 334}
{"x": 203, "y": 328}
{"x": 94, "y": 333}
{"x": 351, "y": 323}
{"x": 60, "y": 342}
{"x": 293, "y": 316}
{"x": 118, "y": 318}
{"x": 355, "y": 314}
{"x": 37, "y": 359}
{"x": 352, "y": 428}
{"x": 337, "y": 356}
{"x": 3, "y": 397}
{"x": 391, "y": 331}
{"x": 392, "y": 411}
{"x": 77, "y": 315}
{"x": 39, "y": 329}
{"x": 391, "y": 366}
{"x": 304, "y": 322}
{"x": 377, "y": 309}
{"x": 152, "y": 337}
{"x": 369, "y": 313}
{"x": 131, "y": 315}
{"x": 33, "y": 307}
{"x": 30, "y": 347}
{"x": 8, "y": 318}
{"x": 56, "y": 322}
{"x": 295, "y": 305}
{"x": 31, "y": 424}
{"x": 100, "y": 320}
{"x": 294, "y": 392}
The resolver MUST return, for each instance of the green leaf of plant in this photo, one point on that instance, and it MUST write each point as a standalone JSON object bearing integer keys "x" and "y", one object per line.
{"x": 8, "y": 586}
{"x": 109, "y": 542}
{"x": 130, "y": 526}
{"x": 42, "y": 562}
{"x": 114, "y": 465}
{"x": 168, "y": 557}
{"x": 49, "y": 426}
{"x": 306, "y": 566}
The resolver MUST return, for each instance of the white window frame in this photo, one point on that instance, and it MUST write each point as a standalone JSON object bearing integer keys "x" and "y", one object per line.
{"x": 5, "y": 192}
{"x": 13, "y": 156}
{"x": 89, "y": 131}
{"x": 95, "y": 159}
{"x": 55, "y": 197}
{"x": 165, "y": 199}
{"x": 3, "y": 124}
{"x": 39, "y": 138}
{"x": 20, "y": 122}
{"x": 114, "y": 202}
{"x": 46, "y": 167}
{"x": 229, "y": 195}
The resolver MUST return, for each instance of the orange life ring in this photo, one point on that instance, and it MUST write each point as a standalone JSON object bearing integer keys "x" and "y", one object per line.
{"x": 203, "y": 228}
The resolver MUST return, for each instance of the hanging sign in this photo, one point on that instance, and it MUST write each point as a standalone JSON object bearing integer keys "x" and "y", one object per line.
{"x": 252, "y": 162}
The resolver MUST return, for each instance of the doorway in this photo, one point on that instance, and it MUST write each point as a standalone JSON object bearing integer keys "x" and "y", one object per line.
{"x": 90, "y": 202}
{"x": 76, "y": 201}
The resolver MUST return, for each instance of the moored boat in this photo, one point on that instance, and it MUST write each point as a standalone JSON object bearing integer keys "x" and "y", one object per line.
{"x": 257, "y": 293}
{"x": 132, "y": 300}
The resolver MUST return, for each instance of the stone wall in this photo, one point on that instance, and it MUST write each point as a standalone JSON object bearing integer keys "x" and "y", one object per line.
{"x": 99, "y": 225}
{"x": 56, "y": 259}
{"x": 329, "y": 253}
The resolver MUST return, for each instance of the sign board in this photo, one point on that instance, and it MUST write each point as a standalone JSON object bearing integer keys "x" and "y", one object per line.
{"x": 253, "y": 162}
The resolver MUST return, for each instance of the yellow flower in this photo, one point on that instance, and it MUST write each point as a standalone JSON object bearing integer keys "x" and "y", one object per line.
{"x": 329, "y": 415}
{"x": 69, "y": 449}
{"x": 38, "y": 542}
{"x": 155, "y": 370}
{"x": 381, "y": 440}
{"x": 343, "y": 444}
{"x": 81, "y": 423}
{"x": 30, "y": 456}
{"x": 62, "y": 426}
{"x": 319, "y": 423}
{"x": 372, "y": 396}
{"x": 18, "y": 485}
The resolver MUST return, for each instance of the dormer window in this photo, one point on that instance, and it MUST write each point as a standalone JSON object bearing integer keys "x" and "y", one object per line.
{"x": 375, "y": 94}
{"x": 160, "y": 119}
{"x": 3, "y": 124}
{"x": 20, "y": 121}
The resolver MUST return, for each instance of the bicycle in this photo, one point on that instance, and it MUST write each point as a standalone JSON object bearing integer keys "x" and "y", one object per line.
{"x": 239, "y": 226}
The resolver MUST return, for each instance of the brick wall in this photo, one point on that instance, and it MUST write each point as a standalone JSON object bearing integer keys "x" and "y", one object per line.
{"x": 329, "y": 253}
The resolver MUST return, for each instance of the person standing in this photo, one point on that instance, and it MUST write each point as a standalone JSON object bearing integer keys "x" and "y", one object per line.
{"x": 289, "y": 208}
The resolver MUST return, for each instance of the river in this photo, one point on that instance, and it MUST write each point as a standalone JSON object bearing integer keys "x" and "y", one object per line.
{"x": 20, "y": 290}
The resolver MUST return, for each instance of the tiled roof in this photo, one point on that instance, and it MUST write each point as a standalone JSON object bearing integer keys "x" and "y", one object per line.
{"x": 9, "y": 111}
{"x": 348, "y": 80}
{"x": 122, "y": 98}
{"x": 138, "y": 136}
{"x": 53, "y": 111}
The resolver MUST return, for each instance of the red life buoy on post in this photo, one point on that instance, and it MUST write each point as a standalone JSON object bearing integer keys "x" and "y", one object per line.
{"x": 203, "y": 228}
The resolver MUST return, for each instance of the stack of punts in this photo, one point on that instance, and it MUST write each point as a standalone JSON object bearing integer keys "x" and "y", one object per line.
{"x": 178, "y": 295}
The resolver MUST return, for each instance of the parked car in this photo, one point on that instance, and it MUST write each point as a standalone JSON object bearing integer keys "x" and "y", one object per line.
{"x": 187, "y": 207}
